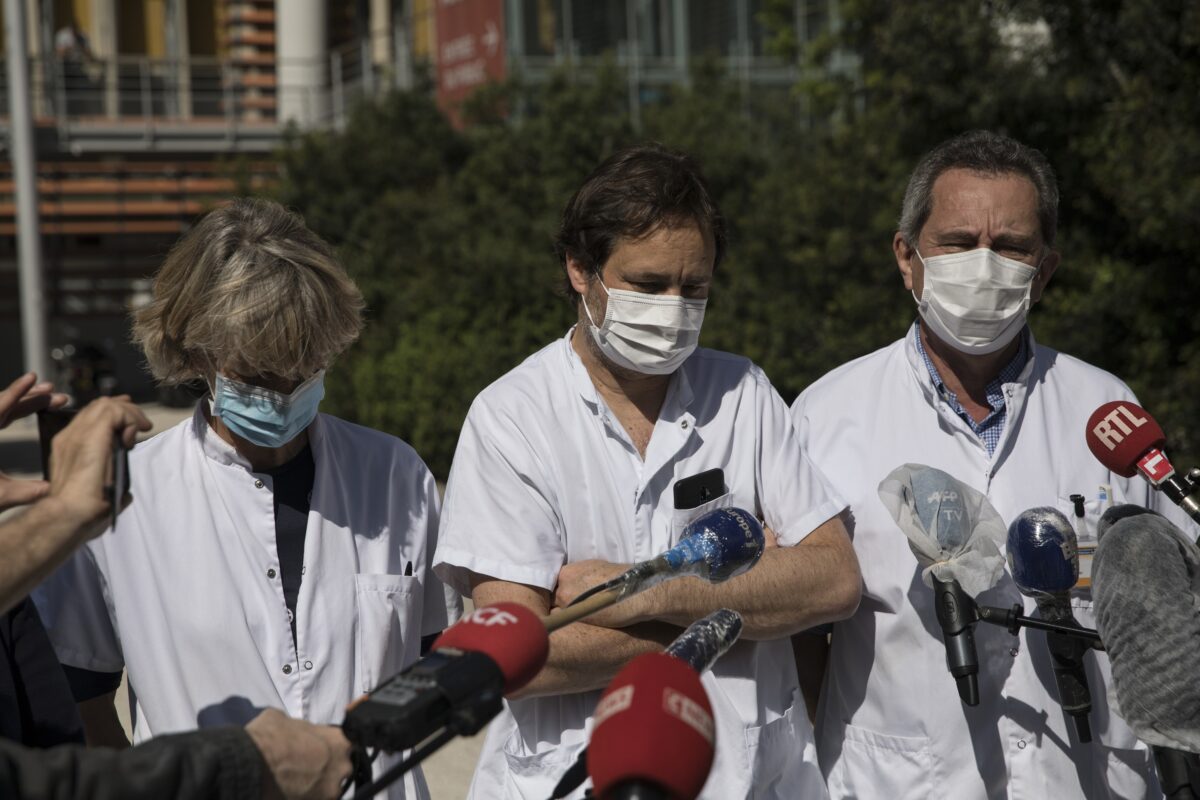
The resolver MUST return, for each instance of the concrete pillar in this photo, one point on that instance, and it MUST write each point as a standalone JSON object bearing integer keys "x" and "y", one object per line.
{"x": 24, "y": 164}
{"x": 302, "y": 62}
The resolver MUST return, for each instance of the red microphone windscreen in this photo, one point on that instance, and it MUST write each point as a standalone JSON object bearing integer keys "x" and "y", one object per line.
{"x": 510, "y": 634}
{"x": 1120, "y": 433}
{"x": 653, "y": 724}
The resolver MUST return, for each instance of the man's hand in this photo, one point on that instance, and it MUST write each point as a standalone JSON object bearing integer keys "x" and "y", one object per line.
{"x": 81, "y": 459}
{"x": 576, "y": 578}
{"x": 304, "y": 761}
{"x": 23, "y": 397}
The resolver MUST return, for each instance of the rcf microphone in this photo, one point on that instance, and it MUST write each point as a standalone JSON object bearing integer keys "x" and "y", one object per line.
{"x": 952, "y": 530}
{"x": 1127, "y": 440}
{"x": 654, "y": 733}
{"x": 1043, "y": 557}
{"x": 704, "y": 641}
{"x": 1144, "y": 584}
{"x": 493, "y": 651}
{"x": 716, "y": 546}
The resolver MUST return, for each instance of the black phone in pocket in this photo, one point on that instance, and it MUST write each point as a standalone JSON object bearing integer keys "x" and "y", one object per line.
{"x": 696, "y": 490}
{"x": 51, "y": 423}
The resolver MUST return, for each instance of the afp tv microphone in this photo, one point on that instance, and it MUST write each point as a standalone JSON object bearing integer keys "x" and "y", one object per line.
{"x": 654, "y": 734}
{"x": 954, "y": 533}
{"x": 1126, "y": 439}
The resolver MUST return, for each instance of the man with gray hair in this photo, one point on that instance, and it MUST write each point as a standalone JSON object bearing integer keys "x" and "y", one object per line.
{"x": 969, "y": 392}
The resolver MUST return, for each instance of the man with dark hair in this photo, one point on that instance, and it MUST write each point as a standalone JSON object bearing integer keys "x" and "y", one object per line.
{"x": 969, "y": 392}
{"x": 565, "y": 473}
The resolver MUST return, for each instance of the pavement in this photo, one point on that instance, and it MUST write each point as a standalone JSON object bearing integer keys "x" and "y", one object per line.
{"x": 447, "y": 771}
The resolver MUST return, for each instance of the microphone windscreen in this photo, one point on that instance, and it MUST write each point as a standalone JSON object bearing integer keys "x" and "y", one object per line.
{"x": 1043, "y": 554}
{"x": 1120, "y": 433}
{"x": 707, "y": 639}
{"x": 1115, "y": 514}
{"x": 720, "y": 544}
{"x": 1143, "y": 582}
{"x": 510, "y": 634}
{"x": 941, "y": 507}
{"x": 653, "y": 724}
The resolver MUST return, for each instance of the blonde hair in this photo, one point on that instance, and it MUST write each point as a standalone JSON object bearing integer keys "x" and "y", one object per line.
{"x": 251, "y": 291}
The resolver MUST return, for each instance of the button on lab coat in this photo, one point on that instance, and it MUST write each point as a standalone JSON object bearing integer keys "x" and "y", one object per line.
{"x": 544, "y": 474}
{"x": 185, "y": 593}
{"x": 891, "y": 723}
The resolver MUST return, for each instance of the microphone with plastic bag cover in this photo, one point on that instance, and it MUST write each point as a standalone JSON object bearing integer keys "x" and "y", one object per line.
{"x": 1043, "y": 556}
{"x": 704, "y": 641}
{"x": 1126, "y": 439}
{"x": 955, "y": 533}
{"x": 654, "y": 736}
{"x": 716, "y": 546}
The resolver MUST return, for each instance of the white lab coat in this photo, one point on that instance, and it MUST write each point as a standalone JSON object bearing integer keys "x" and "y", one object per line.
{"x": 544, "y": 474}
{"x": 891, "y": 724}
{"x": 185, "y": 593}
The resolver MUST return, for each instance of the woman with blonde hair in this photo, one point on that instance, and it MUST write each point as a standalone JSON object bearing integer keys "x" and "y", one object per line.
{"x": 273, "y": 556}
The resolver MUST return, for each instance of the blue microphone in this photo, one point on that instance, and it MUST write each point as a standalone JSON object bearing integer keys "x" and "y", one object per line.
{"x": 1043, "y": 556}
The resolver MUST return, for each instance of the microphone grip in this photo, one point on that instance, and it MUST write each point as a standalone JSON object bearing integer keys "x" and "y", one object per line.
{"x": 1066, "y": 654}
{"x": 1178, "y": 773}
{"x": 956, "y": 614}
{"x": 1180, "y": 491}
{"x": 636, "y": 790}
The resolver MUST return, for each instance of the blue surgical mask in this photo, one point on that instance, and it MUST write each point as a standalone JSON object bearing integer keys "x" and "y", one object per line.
{"x": 264, "y": 417}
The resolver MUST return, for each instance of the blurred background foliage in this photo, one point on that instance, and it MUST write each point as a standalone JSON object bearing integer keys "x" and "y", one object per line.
{"x": 449, "y": 232}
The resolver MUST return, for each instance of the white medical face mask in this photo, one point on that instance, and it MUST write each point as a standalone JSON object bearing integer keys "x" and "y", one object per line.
{"x": 976, "y": 301}
{"x": 648, "y": 333}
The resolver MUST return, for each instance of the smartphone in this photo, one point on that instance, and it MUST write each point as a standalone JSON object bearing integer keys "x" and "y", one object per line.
{"x": 696, "y": 490}
{"x": 50, "y": 423}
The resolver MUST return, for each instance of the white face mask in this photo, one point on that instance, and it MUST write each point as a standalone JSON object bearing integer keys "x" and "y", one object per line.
{"x": 976, "y": 301}
{"x": 648, "y": 333}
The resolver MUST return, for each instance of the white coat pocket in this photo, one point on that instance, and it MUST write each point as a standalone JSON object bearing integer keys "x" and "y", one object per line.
{"x": 875, "y": 765}
{"x": 387, "y": 634}
{"x": 533, "y": 776}
{"x": 783, "y": 761}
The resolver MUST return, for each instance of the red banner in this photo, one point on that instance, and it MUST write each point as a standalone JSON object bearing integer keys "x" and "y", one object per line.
{"x": 470, "y": 48}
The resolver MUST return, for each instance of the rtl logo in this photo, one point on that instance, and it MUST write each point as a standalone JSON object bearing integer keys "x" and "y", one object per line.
{"x": 1112, "y": 429}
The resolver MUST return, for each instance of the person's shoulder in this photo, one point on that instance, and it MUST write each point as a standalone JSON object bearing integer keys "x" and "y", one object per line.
{"x": 164, "y": 442}
{"x": 367, "y": 442}
{"x": 1078, "y": 375}
{"x": 856, "y": 375}
{"x": 526, "y": 386}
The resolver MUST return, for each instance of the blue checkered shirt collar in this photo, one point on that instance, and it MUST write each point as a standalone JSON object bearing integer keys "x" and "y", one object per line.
{"x": 992, "y": 426}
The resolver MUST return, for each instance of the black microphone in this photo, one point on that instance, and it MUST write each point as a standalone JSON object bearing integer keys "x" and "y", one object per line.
{"x": 953, "y": 531}
{"x": 1145, "y": 577}
{"x": 1043, "y": 556}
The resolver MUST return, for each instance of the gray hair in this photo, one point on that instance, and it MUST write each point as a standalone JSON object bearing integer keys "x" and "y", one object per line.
{"x": 252, "y": 291}
{"x": 986, "y": 153}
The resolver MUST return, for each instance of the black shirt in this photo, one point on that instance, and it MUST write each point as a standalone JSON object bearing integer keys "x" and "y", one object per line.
{"x": 36, "y": 706}
{"x": 293, "y": 483}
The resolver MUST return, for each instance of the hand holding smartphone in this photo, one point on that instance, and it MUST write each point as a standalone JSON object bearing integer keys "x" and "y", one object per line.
{"x": 51, "y": 422}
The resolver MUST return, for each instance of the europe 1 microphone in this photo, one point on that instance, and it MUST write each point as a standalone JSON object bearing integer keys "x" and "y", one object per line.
{"x": 1043, "y": 557}
{"x": 1126, "y": 439}
{"x": 715, "y": 547}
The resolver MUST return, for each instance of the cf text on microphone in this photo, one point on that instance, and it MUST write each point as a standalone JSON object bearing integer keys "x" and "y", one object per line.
{"x": 493, "y": 651}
